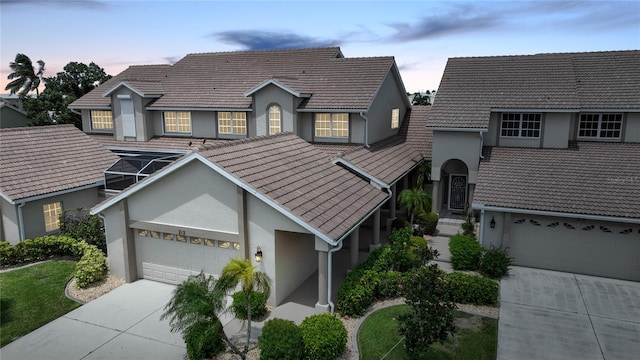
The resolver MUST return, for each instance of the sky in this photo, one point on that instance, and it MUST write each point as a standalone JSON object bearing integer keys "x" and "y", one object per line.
{"x": 421, "y": 35}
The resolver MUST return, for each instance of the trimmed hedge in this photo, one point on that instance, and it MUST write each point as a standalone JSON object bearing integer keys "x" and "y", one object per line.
{"x": 428, "y": 222}
{"x": 91, "y": 267}
{"x": 473, "y": 289}
{"x": 258, "y": 305}
{"x": 324, "y": 336}
{"x": 466, "y": 252}
{"x": 281, "y": 340}
{"x": 495, "y": 263}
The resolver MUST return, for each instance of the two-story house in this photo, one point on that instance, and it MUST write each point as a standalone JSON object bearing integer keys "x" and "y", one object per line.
{"x": 546, "y": 148}
{"x": 285, "y": 154}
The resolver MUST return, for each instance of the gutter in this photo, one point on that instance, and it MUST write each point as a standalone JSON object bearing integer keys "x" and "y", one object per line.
{"x": 481, "y": 237}
{"x": 57, "y": 193}
{"x": 483, "y": 207}
{"x": 366, "y": 129}
{"x": 481, "y": 145}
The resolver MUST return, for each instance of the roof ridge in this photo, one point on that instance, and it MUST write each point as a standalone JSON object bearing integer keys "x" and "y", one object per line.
{"x": 36, "y": 128}
{"x": 263, "y": 51}
{"x": 545, "y": 53}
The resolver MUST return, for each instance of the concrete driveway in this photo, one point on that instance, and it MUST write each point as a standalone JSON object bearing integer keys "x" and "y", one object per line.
{"x": 122, "y": 324}
{"x": 555, "y": 315}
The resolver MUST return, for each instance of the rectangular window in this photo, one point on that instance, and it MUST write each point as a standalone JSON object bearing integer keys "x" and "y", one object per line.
{"x": 232, "y": 122}
{"x": 52, "y": 214}
{"x": 177, "y": 122}
{"x": 600, "y": 126}
{"x": 101, "y": 120}
{"x": 332, "y": 125}
{"x": 520, "y": 125}
{"x": 395, "y": 118}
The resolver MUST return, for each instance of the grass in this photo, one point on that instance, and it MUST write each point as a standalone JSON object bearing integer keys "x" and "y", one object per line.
{"x": 476, "y": 338}
{"x": 33, "y": 296}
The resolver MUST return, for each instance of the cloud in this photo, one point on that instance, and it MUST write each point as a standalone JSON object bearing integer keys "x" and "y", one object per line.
{"x": 79, "y": 4}
{"x": 265, "y": 40}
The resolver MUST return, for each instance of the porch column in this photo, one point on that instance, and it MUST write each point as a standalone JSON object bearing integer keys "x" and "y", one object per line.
{"x": 322, "y": 248}
{"x": 506, "y": 231}
{"x": 354, "y": 244}
{"x": 376, "y": 231}
{"x": 435, "y": 202}
{"x": 392, "y": 208}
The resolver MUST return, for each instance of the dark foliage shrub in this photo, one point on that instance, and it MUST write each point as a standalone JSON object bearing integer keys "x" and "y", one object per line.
{"x": 203, "y": 341}
{"x": 389, "y": 285}
{"x": 466, "y": 252}
{"x": 38, "y": 249}
{"x": 399, "y": 223}
{"x": 428, "y": 222}
{"x": 473, "y": 289}
{"x": 431, "y": 317}
{"x": 281, "y": 340}
{"x": 356, "y": 294}
{"x": 324, "y": 337}
{"x": 258, "y": 305}
{"x": 495, "y": 263}
{"x": 469, "y": 228}
{"x": 81, "y": 225}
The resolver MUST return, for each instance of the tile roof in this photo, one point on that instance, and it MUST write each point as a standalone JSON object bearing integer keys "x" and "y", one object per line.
{"x": 596, "y": 179}
{"x": 471, "y": 87}
{"x": 47, "y": 159}
{"x": 158, "y": 143}
{"x": 298, "y": 176}
{"x": 390, "y": 159}
{"x": 220, "y": 80}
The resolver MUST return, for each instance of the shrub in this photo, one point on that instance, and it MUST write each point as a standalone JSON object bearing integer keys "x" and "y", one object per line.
{"x": 38, "y": 249}
{"x": 258, "y": 305}
{"x": 281, "y": 340}
{"x": 203, "y": 341}
{"x": 92, "y": 267}
{"x": 469, "y": 228}
{"x": 355, "y": 294}
{"x": 324, "y": 336}
{"x": 431, "y": 316}
{"x": 428, "y": 222}
{"x": 495, "y": 263}
{"x": 473, "y": 289}
{"x": 399, "y": 223}
{"x": 389, "y": 284}
{"x": 465, "y": 252}
{"x": 81, "y": 225}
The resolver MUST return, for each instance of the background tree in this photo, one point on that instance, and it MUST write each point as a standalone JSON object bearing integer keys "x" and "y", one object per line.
{"x": 242, "y": 272}
{"x": 419, "y": 99}
{"x": 51, "y": 107}
{"x": 24, "y": 76}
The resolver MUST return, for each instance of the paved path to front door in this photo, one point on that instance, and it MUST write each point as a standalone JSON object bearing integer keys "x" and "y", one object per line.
{"x": 555, "y": 315}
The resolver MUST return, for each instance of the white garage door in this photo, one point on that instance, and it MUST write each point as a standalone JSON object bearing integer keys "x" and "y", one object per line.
{"x": 171, "y": 258}
{"x": 580, "y": 246}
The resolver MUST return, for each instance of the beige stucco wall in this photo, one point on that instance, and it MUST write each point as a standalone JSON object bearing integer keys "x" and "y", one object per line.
{"x": 632, "y": 131}
{"x": 273, "y": 95}
{"x": 296, "y": 260}
{"x": 116, "y": 234}
{"x": 9, "y": 222}
{"x": 556, "y": 130}
{"x": 390, "y": 96}
{"x": 464, "y": 146}
{"x": 10, "y": 118}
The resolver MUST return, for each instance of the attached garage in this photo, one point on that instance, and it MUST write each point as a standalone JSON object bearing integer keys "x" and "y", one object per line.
{"x": 576, "y": 245}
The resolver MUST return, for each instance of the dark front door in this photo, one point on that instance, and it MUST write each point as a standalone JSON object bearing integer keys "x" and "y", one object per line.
{"x": 457, "y": 192}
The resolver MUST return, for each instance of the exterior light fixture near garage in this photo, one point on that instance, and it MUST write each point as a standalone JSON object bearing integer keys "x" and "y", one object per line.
{"x": 492, "y": 223}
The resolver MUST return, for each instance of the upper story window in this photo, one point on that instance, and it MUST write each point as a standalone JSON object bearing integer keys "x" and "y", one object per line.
{"x": 395, "y": 118}
{"x": 52, "y": 214}
{"x": 520, "y": 125}
{"x": 178, "y": 122}
{"x": 232, "y": 122}
{"x": 332, "y": 125}
{"x": 275, "y": 119}
{"x": 101, "y": 120}
{"x": 600, "y": 126}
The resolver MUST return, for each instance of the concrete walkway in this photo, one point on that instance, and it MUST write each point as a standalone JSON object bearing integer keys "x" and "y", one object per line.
{"x": 555, "y": 315}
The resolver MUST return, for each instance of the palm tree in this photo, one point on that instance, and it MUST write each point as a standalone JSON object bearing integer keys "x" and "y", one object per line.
{"x": 242, "y": 272}
{"x": 24, "y": 76}
{"x": 415, "y": 200}
{"x": 194, "y": 310}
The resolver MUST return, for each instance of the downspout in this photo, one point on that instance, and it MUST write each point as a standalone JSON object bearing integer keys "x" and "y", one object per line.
{"x": 366, "y": 129}
{"x": 21, "y": 222}
{"x": 481, "y": 225}
{"x": 330, "y": 273}
{"x": 481, "y": 145}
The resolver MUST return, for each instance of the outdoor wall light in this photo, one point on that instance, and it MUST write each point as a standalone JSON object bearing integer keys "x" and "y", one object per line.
{"x": 258, "y": 254}
{"x": 492, "y": 223}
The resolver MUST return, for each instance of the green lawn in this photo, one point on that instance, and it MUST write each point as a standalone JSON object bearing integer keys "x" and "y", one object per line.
{"x": 476, "y": 338}
{"x": 33, "y": 296}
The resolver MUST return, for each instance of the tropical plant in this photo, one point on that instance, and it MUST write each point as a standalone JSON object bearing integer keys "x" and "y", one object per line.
{"x": 194, "y": 310}
{"x": 423, "y": 173}
{"x": 242, "y": 272}
{"x": 415, "y": 201}
{"x": 24, "y": 76}
{"x": 81, "y": 225}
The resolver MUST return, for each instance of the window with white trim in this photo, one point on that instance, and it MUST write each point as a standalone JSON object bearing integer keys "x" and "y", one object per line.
{"x": 101, "y": 120}
{"x": 332, "y": 125}
{"x": 520, "y": 125}
{"x": 275, "y": 123}
{"x": 232, "y": 122}
{"x": 395, "y": 118}
{"x": 52, "y": 214}
{"x": 600, "y": 126}
{"x": 177, "y": 122}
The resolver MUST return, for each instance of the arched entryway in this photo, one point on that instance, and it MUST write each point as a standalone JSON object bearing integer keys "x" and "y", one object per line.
{"x": 453, "y": 190}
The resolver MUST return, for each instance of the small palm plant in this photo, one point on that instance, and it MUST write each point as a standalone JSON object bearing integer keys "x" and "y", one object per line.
{"x": 416, "y": 201}
{"x": 242, "y": 272}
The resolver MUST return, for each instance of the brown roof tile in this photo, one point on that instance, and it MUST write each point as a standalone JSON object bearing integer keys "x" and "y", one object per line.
{"x": 300, "y": 178}
{"x": 158, "y": 143}
{"x": 46, "y": 159}
{"x": 471, "y": 87}
{"x": 596, "y": 179}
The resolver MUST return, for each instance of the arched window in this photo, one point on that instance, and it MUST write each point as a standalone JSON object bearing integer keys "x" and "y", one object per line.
{"x": 275, "y": 119}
